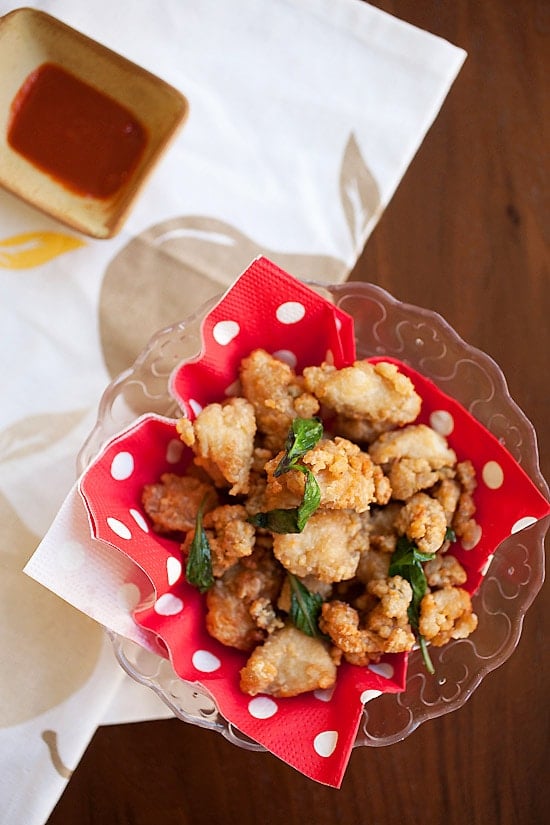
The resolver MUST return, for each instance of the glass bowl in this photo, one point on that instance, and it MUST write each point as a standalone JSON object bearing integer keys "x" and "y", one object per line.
{"x": 425, "y": 341}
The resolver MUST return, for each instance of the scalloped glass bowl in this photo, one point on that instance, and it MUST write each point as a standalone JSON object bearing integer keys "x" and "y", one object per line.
{"x": 424, "y": 340}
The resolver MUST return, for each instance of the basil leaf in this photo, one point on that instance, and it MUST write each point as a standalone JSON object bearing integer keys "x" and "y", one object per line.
{"x": 428, "y": 664}
{"x": 311, "y": 499}
{"x": 407, "y": 553}
{"x": 303, "y": 435}
{"x": 450, "y": 534}
{"x": 278, "y": 521}
{"x": 295, "y": 519}
{"x": 406, "y": 561}
{"x": 305, "y": 607}
{"x": 417, "y": 580}
{"x": 198, "y": 571}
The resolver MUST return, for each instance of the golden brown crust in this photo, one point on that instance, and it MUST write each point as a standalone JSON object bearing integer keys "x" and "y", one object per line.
{"x": 172, "y": 503}
{"x": 370, "y": 392}
{"x": 405, "y": 484}
{"x": 276, "y": 394}
{"x": 222, "y": 438}
{"x": 446, "y": 614}
{"x": 287, "y": 664}
{"x": 328, "y": 548}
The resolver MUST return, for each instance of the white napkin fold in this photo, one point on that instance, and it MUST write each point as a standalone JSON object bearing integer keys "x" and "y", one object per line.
{"x": 304, "y": 117}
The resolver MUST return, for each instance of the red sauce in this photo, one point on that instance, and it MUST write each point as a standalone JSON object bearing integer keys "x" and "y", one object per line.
{"x": 75, "y": 133}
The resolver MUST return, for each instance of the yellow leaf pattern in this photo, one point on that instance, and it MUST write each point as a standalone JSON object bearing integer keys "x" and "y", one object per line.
{"x": 35, "y": 248}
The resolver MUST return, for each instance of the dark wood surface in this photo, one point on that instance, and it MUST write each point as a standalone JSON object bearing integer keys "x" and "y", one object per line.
{"x": 467, "y": 235}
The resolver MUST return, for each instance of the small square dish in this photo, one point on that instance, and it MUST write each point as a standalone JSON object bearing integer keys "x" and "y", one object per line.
{"x": 81, "y": 127}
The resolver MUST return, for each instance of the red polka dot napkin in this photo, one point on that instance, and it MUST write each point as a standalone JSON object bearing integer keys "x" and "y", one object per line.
{"x": 268, "y": 308}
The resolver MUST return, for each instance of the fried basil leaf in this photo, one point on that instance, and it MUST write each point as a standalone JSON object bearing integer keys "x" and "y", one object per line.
{"x": 450, "y": 534}
{"x": 303, "y": 435}
{"x": 295, "y": 519}
{"x": 198, "y": 571}
{"x": 311, "y": 499}
{"x": 305, "y": 607}
{"x": 278, "y": 521}
{"x": 406, "y": 561}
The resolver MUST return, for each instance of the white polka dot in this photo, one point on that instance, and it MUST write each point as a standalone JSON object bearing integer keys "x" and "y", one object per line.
{"x": 128, "y": 596}
{"x": 384, "y": 669}
{"x": 262, "y": 707}
{"x": 139, "y": 520}
{"x": 225, "y": 331}
{"x": 329, "y": 357}
{"x": 287, "y": 356}
{"x": 367, "y": 695}
{"x": 168, "y": 605}
{"x": 486, "y": 566}
{"x": 71, "y": 555}
{"x": 442, "y": 422}
{"x": 290, "y": 312}
{"x": 492, "y": 475}
{"x": 121, "y": 530}
{"x": 122, "y": 466}
{"x": 195, "y": 406}
{"x": 522, "y": 523}
{"x": 325, "y": 742}
{"x": 173, "y": 569}
{"x": 324, "y": 695}
{"x": 174, "y": 450}
{"x": 474, "y": 540}
{"x": 205, "y": 661}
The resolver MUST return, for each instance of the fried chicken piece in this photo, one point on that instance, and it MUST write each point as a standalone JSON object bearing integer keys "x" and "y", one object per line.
{"x": 381, "y": 527}
{"x": 277, "y": 395}
{"x": 256, "y": 502}
{"x": 443, "y": 571}
{"x": 345, "y": 474}
{"x": 264, "y": 616}
{"x": 466, "y": 475}
{"x": 222, "y": 438}
{"x": 381, "y": 540}
{"x": 446, "y": 614}
{"x": 260, "y": 457}
{"x": 384, "y": 629}
{"x": 328, "y": 548}
{"x": 414, "y": 441}
{"x": 358, "y": 430}
{"x": 447, "y": 492}
{"x": 373, "y": 564}
{"x": 408, "y": 476}
{"x": 379, "y": 392}
{"x": 240, "y": 604}
{"x": 382, "y": 485}
{"x": 466, "y": 529}
{"x": 422, "y": 520}
{"x": 229, "y": 534}
{"x": 172, "y": 503}
{"x": 340, "y": 621}
{"x": 287, "y": 664}
{"x": 463, "y": 523}
{"x": 395, "y": 594}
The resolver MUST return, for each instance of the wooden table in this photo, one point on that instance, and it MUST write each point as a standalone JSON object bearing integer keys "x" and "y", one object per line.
{"x": 467, "y": 235}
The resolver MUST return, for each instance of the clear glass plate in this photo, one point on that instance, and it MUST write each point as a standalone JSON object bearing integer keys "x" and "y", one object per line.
{"x": 424, "y": 340}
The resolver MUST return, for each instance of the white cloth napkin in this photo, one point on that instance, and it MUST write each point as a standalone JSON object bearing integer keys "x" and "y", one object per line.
{"x": 304, "y": 117}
